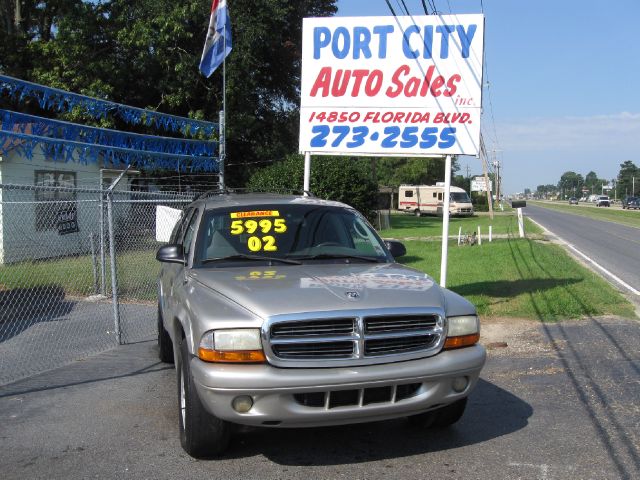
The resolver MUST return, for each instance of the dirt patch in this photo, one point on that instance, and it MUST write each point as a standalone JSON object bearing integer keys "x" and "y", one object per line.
{"x": 509, "y": 336}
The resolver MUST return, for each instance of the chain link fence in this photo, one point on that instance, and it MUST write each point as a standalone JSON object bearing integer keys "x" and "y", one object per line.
{"x": 77, "y": 273}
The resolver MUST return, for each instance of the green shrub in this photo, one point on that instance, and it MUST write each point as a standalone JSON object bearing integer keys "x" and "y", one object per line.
{"x": 332, "y": 178}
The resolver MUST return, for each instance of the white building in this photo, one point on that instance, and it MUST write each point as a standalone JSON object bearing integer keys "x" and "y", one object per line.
{"x": 39, "y": 223}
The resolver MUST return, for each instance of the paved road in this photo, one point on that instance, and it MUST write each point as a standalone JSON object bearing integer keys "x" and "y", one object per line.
{"x": 560, "y": 402}
{"x": 615, "y": 247}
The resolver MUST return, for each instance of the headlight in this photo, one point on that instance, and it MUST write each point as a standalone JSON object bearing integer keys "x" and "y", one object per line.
{"x": 232, "y": 346}
{"x": 462, "y": 331}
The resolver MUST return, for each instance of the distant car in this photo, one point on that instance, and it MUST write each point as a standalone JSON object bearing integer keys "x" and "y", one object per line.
{"x": 573, "y": 201}
{"x": 631, "y": 202}
{"x": 603, "y": 201}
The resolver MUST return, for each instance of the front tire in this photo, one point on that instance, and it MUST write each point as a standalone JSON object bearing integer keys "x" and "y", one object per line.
{"x": 202, "y": 435}
{"x": 447, "y": 416}
{"x": 440, "y": 418}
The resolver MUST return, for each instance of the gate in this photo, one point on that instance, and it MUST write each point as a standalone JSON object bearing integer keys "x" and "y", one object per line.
{"x": 77, "y": 273}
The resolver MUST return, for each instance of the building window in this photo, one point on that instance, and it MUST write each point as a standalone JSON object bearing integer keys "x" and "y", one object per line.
{"x": 54, "y": 202}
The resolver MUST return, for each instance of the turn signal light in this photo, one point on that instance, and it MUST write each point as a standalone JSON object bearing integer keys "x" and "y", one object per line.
{"x": 461, "y": 341}
{"x": 239, "y": 356}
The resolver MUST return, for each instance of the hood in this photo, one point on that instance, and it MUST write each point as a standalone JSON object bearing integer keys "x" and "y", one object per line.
{"x": 287, "y": 289}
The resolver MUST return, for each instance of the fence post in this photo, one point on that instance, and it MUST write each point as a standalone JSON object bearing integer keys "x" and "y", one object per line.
{"x": 94, "y": 262}
{"x": 114, "y": 278}
{"x": 103, "y": 256}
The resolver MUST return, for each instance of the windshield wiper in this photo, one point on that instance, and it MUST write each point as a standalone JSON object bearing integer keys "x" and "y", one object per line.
{"x": 330, "y": 256}
{"x": 242, "y": 256}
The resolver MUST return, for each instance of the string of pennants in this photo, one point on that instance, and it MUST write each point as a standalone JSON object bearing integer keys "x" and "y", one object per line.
{"x": 71, "y": 142}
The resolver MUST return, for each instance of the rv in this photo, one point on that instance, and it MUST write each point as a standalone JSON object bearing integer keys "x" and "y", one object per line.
{"x": 429, "y": 199}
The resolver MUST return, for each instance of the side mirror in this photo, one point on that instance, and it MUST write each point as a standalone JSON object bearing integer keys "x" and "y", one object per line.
{"x": 396, "y": 248}
{"x": 170, "y": 254}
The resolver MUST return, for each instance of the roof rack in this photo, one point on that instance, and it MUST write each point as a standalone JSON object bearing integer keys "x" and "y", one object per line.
{"x": 226, "y": 191}
{"x": 211, "y": 193}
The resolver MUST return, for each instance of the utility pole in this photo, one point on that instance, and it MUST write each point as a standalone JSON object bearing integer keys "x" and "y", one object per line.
{"x": 485, "y": 169}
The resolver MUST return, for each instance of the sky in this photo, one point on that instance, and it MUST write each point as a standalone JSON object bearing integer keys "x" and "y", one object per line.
{"x": 561, "y": 81}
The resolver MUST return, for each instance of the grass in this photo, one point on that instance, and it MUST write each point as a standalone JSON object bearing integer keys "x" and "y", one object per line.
{"x": 521, "y": 278}
{"x": 404, "y": 225}
{"x": 630, "y": 218}
{"x": 137, "y": 275}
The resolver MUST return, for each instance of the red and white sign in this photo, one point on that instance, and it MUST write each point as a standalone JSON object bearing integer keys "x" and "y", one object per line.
{"x": 392, "y": 85}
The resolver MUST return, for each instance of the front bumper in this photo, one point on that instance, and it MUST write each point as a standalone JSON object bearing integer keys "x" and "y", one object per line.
{"x": 277, "y": 392}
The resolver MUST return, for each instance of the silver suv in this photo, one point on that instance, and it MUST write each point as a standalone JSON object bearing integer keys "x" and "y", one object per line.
{"x": 286, "y": 311}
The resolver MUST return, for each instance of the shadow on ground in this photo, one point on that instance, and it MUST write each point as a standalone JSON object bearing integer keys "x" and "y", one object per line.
{"x": 21, "y": 308}
{"x": 391, "y": 439}
{"x": 507, "y": 288}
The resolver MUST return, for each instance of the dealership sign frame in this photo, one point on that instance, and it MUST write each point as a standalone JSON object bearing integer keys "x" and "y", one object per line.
{"x": 392, "y": 86}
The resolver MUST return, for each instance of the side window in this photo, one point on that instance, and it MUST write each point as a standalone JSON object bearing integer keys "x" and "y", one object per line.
{"x": 409, "y": 193}
{"x": 189, "y": 234}
{"x": 440, "y": 196}
{"x": 177, "y": 229}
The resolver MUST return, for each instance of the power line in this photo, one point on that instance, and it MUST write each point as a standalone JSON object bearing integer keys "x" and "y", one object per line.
{"x": 390, "y": 8}
{"x": 406, "y": 10}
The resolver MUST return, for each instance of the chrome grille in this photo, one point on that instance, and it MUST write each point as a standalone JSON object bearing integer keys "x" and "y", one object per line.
{"x": 353, "y": 338}
{"x": 314, "y": 350}
{"x": 386, "y": 346}
{"x": 333, "y": 326}
{"x": 399, "y": 323}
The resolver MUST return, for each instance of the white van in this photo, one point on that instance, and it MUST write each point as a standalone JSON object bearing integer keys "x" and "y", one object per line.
{"x": 429, "y": 199}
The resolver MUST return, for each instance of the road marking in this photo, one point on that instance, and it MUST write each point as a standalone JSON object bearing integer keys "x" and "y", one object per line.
{"x": 543, "y": 468}
{"x": 607, "y": 272}
{"x": 588, "y": 259}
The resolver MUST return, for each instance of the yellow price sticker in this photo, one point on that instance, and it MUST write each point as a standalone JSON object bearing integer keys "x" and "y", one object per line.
{"x": 263, "y": 226}
{"x": 256, "y": 213}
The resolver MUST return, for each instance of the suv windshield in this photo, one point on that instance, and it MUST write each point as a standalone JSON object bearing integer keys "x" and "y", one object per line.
{"x": 289, "y": 231}
{"x": 460, "y": 197}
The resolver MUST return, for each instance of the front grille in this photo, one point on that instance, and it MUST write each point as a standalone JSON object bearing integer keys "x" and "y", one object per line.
{"x": 333, "y": 326}
{"x": 358, "y": 397}
{"x": 387, "y": 346}
{"x": 398, "y": 324}
{"x": 314, "y": 350}
{"x": 357, "y": 339}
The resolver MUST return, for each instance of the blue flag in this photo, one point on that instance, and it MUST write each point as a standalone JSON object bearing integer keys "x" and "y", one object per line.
{"x": 218, "y": 43}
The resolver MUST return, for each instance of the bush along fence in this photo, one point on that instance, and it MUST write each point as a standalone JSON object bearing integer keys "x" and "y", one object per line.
{"x": 77, "y": 273}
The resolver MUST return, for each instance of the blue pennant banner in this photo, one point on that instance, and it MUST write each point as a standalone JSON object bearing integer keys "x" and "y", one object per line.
{"x": 66, "y": 151}
{"x": 62, "y": 101}
{"x": 45, "y": 127}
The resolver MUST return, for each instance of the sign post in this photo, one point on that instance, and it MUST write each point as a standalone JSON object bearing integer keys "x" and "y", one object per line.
{"x": 445, "y": 222}
{"x": 392, "y": 86}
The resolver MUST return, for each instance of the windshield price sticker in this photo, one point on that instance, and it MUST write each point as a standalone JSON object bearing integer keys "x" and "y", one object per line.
{"x": 258, "y": 229}
{"x": 257, "y": 213}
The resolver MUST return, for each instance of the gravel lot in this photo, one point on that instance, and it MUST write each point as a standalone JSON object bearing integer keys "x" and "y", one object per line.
{"x": 557, "y": 401}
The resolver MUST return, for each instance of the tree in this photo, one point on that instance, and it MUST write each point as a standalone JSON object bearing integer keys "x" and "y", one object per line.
{"x": 571, "y": 183}
{"x": 395, "y": 171}
{"x": 146, "y": 54}
{"x": 343, "y": 179}
{"x": 625, "y": 185}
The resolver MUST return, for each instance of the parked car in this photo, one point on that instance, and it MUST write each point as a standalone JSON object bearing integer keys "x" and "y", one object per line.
{"x": 631, "y": 202}
{"x": 287, "y": 311}
{"x": 573, "y": 201}
{"x": 603, "y": 201}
